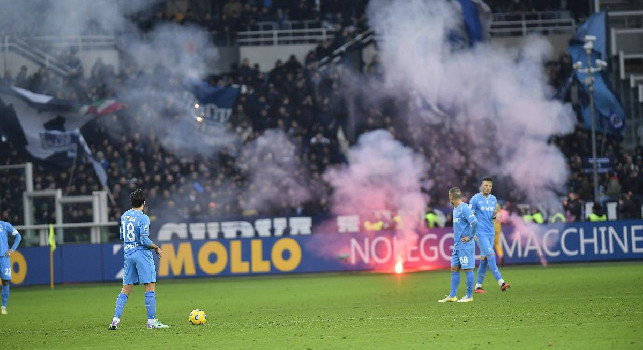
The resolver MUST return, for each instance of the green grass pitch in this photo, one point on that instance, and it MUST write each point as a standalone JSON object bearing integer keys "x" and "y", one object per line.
{"x": 566, "y": 306}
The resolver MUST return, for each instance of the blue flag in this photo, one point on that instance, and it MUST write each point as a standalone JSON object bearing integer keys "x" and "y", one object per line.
{"x": 476, "y": 18}
{"x": 597, "y": 25}
{"x": 608, "y": 111}
{"x": 215, "y": 103}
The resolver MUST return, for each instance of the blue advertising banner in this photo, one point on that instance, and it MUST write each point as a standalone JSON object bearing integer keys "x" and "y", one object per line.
{"x": 587, "y": 241}
{"x": 381, "y": 251}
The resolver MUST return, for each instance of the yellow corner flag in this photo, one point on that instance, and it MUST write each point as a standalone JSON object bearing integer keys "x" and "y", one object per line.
{"x": 52, "y": 238}
{"x": 52, "y": 247}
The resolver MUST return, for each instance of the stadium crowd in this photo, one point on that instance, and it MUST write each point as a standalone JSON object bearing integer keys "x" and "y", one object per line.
{"x": 304, "y": 102}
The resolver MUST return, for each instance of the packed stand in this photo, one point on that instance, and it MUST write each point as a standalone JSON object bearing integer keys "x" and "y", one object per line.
{"x": 307, "y": 105}
{"x": 225, "y": 19}
{"x": 296, "y": 97}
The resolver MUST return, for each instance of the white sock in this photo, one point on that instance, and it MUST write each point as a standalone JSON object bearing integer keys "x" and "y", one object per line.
{"x": 478, "y": 285}
{"x": 151, "y": 320}
{"x": 116, "y": 319}
{"x": 500, "y": 282}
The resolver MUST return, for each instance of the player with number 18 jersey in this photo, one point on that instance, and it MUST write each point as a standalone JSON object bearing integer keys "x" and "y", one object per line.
{"x": 139, "y": 261}
{"x": 138, "y": 267}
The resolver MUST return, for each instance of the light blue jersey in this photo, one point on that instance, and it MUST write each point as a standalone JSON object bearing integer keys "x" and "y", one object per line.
{"x": 7, "y": 229}
{"x": 135, "y": 231}
{"x": 463, "y": 217}
{"x": 138, "y": 267}
{"x": 484, "y": 208}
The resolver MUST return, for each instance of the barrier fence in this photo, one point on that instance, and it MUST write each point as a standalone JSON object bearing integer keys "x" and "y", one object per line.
{"x": 320, "y": 252}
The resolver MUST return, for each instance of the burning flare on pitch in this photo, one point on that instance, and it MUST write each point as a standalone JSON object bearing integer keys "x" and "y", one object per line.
{"x": 399, "y": 267}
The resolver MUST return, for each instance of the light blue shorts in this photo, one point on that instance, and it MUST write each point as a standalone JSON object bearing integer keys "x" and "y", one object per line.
{"x": 5, "y": 268}
{"x": 465, "y": 258}
{"x": 139, "y": 268}
{"x": 485, "y": 243}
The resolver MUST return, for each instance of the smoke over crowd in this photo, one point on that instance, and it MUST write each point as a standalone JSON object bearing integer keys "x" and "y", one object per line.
{"x": 495, "y": 101}
{"x": 483, "y": 105}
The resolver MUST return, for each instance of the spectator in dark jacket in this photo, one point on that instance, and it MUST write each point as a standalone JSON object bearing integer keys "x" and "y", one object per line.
{"x": 573, "y": 207}
{"x": 628, "y": 208}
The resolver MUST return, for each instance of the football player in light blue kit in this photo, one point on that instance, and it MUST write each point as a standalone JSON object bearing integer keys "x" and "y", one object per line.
{"x": 484, "y": 205}
{"x": 139, "y": 262}
{"x": 5, "y": 259}
{"x": 464, "y": 249}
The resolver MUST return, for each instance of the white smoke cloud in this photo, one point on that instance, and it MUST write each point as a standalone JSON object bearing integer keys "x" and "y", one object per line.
{"x": 180, "y": 49}
{"x": 69, "y": 17}
{"x": 497, "y": 98}
{"x": 167, "y": 53}
{"x": 277, "y": 178}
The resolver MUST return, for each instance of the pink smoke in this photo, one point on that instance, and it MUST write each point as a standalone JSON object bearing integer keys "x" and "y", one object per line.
{"x": 383, "y": 179}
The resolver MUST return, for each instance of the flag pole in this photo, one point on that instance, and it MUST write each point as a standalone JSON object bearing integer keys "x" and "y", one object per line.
{"x": 51, "y": 267}
{"x": 589, "y": 82}
{"x": 72, "y": 170}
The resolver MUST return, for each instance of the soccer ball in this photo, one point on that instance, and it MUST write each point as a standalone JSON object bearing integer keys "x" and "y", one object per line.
{"x": 197, "y": 317}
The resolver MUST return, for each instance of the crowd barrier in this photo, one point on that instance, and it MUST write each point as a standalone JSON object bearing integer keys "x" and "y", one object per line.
{"x": 320, "y": 252}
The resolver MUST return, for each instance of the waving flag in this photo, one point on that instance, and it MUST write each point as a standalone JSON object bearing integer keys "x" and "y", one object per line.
{"x": 609, "y": 116}
{"x": 476, "y": 21}
{"x": 598, "y": 26}
{"x": 45, "y": 126}
{"x": 48, "y": 128}
{"x": 215, "y": 102}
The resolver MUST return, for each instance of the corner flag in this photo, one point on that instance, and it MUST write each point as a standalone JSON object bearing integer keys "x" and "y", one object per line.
{"x": 52, "y": 247}
{"x": 52, "y": 238}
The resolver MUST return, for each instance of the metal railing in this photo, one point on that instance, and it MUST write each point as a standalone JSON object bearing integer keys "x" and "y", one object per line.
{"x": 503, "y": 24}
{"x": 622, "y": 58}
{"x": 524, "y": 23}
{"x": 617, "y": 34}
{"x": 631, "y": 90}
{"x": 626, "y": 19}
{"x": 284, "y": 37}
{"x": 37, "y": 49}
{"x": 283, "y": 25}
{"x": 530, "y": 16}
{"x": 360, "y": 39}
{"x": 616, "y": 5}
{"x": 97, "y": 232}
{"x": 97, "y": 200}
{"x": 37, "y": 234}
{"x": 82, "y": 42}
{"x": 17, "y": 46}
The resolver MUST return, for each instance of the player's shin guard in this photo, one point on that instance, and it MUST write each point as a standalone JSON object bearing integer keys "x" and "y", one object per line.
{"x": 5, "y": 295}
{"x": 150, "y": 305}
{"x": 470, "y": 282}
{"x": 455, "y": 281}
{"x": 482, "y": 270}
{"x": 120, "y": 304}
{"x": 494, "y": 267}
